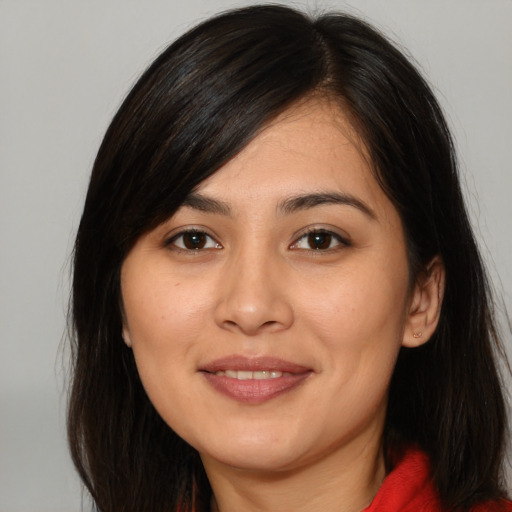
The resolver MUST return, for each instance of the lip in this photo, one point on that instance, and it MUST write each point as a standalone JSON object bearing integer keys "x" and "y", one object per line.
{"x": 253, "y": 364}
{"x": 254, "y": 391}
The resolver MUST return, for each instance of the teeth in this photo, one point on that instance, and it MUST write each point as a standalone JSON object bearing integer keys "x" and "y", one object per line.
{"x": 246, "y": 375}
{"x": 261, "y": 375}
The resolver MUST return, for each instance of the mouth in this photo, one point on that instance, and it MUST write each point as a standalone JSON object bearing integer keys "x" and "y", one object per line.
{"x": 248, "y": 375}
{"x": 254, "y": 380}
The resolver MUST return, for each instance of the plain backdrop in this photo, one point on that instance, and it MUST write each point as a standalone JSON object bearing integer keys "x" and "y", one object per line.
{"x": 65, "y": 66}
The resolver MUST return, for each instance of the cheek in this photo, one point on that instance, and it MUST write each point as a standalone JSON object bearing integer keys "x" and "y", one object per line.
{"x": 356, "y": 304}
{"x": 358, "y": 315}
{"x": 161, "y": 313}
{"x": 161, "y": 332}
{"x": 164, "y": 320}
{"x": 358, "y": 328}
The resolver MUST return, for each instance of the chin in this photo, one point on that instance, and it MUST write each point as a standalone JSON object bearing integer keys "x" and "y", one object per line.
{"x": 254, "y": 452}
{"x": 254, "y": 460}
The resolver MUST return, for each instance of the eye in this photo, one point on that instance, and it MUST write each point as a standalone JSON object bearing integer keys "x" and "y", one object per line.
{"x": 319, "y": 240}
{"x": 193, "y": 240}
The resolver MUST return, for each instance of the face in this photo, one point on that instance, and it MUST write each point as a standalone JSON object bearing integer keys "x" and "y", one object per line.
{"x": 266, "y": 315}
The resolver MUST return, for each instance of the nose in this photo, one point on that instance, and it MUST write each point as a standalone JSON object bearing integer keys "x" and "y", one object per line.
{"x": 253, "y": 296}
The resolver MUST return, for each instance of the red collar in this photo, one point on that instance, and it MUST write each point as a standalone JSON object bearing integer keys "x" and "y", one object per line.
{"x": 408, "y": 488}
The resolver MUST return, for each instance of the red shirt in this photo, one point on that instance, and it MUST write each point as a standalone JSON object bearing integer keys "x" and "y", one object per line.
{"x": 408, "y": 488}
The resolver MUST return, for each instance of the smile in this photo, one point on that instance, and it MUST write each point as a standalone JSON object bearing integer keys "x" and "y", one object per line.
{"x": 248, "y": 375}
{"x": 254, "y": 380}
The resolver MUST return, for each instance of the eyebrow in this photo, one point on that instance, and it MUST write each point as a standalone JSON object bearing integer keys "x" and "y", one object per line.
{"x": 207, "y": 204}
{"x": 306, "y": 201}
{"x": 290, "y": 205}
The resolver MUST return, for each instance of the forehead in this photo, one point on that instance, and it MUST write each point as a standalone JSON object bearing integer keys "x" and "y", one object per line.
{"x": 311, "y": 147}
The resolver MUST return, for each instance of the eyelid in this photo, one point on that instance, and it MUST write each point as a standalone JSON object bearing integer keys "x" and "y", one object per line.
{"x": 171, "y": 238}
{"x": 343, "y": 239}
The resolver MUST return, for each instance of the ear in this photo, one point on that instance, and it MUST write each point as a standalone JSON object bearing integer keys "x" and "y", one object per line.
{"x": 126, "y": 336}
{"x": 425, "y": 305}
{"x": 125, "y": 333}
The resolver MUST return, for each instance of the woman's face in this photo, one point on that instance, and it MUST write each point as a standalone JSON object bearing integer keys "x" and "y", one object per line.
{"x": 266, "y": 315}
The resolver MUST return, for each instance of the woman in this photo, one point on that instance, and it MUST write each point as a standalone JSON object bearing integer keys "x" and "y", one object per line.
{"x": 278, "y": 303}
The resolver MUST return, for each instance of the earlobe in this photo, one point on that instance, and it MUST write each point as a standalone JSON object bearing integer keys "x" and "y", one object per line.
{"x": 125, "y": 332}
{"x": 126, "y": 336}
{"x": 425, "y": 305}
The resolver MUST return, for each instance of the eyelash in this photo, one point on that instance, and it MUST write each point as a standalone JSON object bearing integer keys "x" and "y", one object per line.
{"x": 209, "y": 240}
{"x": 340, "y": 241}
{"x": 172, "y": 241}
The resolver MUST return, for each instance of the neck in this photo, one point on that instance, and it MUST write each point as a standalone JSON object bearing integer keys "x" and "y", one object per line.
{"x": 345, "y": 480}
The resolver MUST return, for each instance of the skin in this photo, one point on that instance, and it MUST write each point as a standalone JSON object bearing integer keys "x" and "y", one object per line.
{"x": 259, "y": 286}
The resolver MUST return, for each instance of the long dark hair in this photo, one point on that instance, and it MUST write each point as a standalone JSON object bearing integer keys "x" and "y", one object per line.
{"x": 198, "y": 105}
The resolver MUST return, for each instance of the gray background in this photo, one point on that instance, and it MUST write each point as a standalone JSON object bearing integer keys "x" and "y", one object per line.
{"x": 64, "y": 68}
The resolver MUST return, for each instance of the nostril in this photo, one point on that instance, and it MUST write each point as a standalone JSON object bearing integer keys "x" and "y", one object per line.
{"x": 253, "y": 310}
{"x": 253, "y": 328}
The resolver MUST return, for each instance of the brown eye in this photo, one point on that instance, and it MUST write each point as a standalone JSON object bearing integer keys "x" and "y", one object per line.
{"x": 319, "y": 240}
{"x": 194, "y": 241}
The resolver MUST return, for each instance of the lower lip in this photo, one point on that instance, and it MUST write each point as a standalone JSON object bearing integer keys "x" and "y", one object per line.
{"x": 255, "y": 391}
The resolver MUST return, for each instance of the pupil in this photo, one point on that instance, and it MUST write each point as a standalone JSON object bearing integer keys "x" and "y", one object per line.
{"x": 319, "y": 240}
{"x": 194, "y": 240}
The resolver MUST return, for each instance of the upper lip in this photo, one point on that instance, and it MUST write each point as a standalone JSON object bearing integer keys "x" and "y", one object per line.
{"x": 254, "y": 364}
